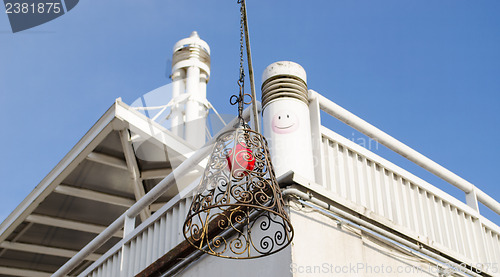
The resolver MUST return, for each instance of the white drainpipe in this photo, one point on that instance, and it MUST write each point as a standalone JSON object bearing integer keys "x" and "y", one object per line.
{"x": 286, "y": 120}
{"x": 190, "y": 75}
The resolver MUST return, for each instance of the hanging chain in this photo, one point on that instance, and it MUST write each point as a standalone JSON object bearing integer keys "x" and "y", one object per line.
{"x": 239, "y": 99}
{"x": 242, "y": 37}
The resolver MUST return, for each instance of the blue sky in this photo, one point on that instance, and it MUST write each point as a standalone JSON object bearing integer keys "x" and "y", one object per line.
{"x": 427, "y": 72}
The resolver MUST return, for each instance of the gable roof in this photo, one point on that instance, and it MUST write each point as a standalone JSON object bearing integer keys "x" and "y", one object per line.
{"x": 117, "y": 161}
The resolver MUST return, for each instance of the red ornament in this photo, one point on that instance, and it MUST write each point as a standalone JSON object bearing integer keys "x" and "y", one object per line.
{"x": 245, "y": 161}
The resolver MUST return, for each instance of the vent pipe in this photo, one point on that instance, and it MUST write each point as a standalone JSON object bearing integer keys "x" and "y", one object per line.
{"x": 286, "y": 120}
{"x": 190, "y": 75}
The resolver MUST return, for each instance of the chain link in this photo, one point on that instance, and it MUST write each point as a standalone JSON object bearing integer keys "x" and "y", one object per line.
{"x": 241, "y": 79}
{"x": 242, "y": 37}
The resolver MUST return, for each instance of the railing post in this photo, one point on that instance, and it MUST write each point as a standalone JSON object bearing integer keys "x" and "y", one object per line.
{"x": 128, "y": 225}
{"x": 128, "y": 228}
{"x": 315, "y": 114}
{"x": 471, "y": 199}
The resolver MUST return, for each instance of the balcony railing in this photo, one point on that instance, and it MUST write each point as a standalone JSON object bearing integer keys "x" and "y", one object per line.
{"x": 148, "y": 242}
{"x": 355, "y": 178}
{"x": 406, "y": 203}
{"x": 399, "y": 199}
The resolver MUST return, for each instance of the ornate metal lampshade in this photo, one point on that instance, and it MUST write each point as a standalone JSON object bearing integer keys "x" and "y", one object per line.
{"x": 238, "y": 211}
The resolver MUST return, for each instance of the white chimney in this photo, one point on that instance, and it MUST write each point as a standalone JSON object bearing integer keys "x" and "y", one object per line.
{"x": 190, "y": 75}
{"x": 286, "y": 120}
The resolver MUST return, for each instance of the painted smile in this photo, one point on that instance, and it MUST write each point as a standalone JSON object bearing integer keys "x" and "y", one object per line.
{"x": 286, "y": 127}
{"x": 284, "y": 122}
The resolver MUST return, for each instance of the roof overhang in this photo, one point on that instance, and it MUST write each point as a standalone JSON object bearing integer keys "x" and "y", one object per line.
{"x": 116, "y": 162}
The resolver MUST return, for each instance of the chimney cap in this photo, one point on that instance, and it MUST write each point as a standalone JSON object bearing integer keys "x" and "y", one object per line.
{"x": 193, "y": 39}
{"x": 284, "y": 68}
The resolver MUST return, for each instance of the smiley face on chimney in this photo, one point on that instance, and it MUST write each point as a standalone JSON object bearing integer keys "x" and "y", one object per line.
{"x": 285, "y": 122}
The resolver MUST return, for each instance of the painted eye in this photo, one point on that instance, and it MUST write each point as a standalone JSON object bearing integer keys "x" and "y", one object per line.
{"x": 279, "y": 117}
{"x": 287, "y": 116}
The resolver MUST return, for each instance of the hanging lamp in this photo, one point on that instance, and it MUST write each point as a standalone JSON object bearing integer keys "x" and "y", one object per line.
{"x": 238, "y": 211}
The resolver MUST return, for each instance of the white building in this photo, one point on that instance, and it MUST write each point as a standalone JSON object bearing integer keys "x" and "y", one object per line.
{"x": 116, "y": 203}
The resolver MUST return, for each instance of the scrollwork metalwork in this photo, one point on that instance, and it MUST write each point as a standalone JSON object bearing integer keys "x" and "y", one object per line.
{"x": 238, "y": 211}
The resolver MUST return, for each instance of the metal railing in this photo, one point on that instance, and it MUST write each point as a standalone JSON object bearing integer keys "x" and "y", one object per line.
{"x": 150, "y": 241}
{"x": 397, "y": 198}
{"x": 404, "y": 202}
{"x": 358, "y": 178}
{"x": 473, "y": 194}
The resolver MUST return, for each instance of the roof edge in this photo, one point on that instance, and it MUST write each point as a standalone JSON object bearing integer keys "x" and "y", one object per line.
{"x": 87, "y": 143}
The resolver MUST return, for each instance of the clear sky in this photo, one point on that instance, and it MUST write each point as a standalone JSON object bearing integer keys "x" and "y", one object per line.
{"x": 427, "y": 72}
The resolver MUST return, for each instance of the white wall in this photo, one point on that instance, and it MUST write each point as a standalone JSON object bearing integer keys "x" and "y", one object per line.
{"x": 276, "y": 265}
{"x": 322, "y": 248}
